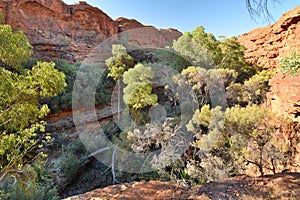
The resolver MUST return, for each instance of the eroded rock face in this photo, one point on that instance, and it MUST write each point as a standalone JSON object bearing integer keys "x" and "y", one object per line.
{"x": 59, "y": 30}
{"x": 70, "y": 32}
{"x": 151, "y": 36}
{"x": 266, "y": 47}
{"x": 284, "y": 96}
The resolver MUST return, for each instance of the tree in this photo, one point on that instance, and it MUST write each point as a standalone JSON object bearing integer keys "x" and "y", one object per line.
{"x": 204, "y": 50}
{"x": 119, "y": 63}
{"x": 138, "y": 92}
{"x": 209, "y": 123}
{"x": 195, "y": 49}
{"x": 253, "y": 138}
{"x": 14, "y": 47}
{"x": 233, "y": 58}
{"x": 20, "y": 111}
{"x": 197, "y": 78}
{"x": 240, "y": 138}
{"x": 209, "y": 42}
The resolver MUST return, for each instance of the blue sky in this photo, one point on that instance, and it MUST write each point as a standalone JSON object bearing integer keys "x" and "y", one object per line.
{"x": 220, "y": 17}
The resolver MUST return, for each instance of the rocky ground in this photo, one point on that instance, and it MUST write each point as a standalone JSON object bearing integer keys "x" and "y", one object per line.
{"x": 279, "y": 186}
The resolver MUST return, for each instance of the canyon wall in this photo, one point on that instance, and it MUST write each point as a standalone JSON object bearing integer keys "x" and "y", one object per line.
{"x": 266, "y": 47}
{"x": 71, "y": 32}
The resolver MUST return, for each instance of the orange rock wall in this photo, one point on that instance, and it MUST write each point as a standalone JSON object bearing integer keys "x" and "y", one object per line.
{"x": 70, "y": 32}
{"x": 266, "y": 47}
{"x": 58, "y": 30}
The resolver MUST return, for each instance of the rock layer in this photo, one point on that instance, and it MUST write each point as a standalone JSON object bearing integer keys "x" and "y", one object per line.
{"x": 70, "y": 32}
{"x": 57, "y": 30}
{"x": 266, "y": 47}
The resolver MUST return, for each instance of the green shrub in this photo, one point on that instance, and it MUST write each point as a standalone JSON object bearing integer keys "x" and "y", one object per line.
{"x": 36, "y": 184}
{"x": 69, "y": 164}
{"x": 252, "y": 91}
{"x": 63, "y": 101}
{"x": 291, "y": 64}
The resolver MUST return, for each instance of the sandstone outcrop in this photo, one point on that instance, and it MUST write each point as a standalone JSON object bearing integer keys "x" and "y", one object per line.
{"x": 57, "y": 30}
{"x": 71, "y": 32}
{"x": 155, "y": 37}
{"x": 266, "y": 47}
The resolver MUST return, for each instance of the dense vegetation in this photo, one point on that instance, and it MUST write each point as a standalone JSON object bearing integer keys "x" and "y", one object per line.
{"x": 208, "y": 96}
{"x": 22, "y": 130}
{"x": 229, "y": 137}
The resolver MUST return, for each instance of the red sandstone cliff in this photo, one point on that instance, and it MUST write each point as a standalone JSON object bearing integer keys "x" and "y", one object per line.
{"x": 128, "y": 24}
{"x": 266, "y": 47}
{"x": 58, "y": 30}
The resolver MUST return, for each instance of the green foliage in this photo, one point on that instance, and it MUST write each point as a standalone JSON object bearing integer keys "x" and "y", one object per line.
{"x": 119, "y": 62}
{"x": 63, "y": 101}
{"x": 21, "y": 94}
{"x": 140, "y": 97}
{"x": 20, "y": 110}
{"x": 46, "y": 79}
{"x": 207, "y": 125}
{"x": 233, "y": 58}
{"x": 236, "y": 140}
{"x": 170, "y": 58}
{"x": 253, "y": 91}
{"x": 2, "y": 18}
{"x": 228, "y": 76}
{"x": 73, "y": 152}
{"x": 87, "y": 79}
{"x": 291, "y": 64}
{"x": 196, "y": 77}
{"x": 36, "y": 184}
{"x": 14, "y": 47}
{"x": 138, "y": 92}
{"x": 193, "y": 52}
{"x": 69, "y": 164}
{"x": 204, "y": 50}
{"x": 208, "y": 84}
{"x": 208, "y": 42}
{"x": 253, "y": 139}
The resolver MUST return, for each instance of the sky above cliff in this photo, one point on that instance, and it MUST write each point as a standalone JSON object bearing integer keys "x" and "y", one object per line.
{"x": 220, "y": 17}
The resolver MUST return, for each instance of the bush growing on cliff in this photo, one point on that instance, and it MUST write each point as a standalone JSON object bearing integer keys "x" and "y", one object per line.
{"x": 252, "y": 91}
{"x": 291, "y": 64}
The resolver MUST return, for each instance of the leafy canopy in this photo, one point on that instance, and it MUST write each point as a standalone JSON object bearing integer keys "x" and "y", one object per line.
{"x": 119, "y": 62}
{"x": 14, "y": 47}
{"x": 204, "y": 50}
{"x": 138, "y": 92}
{"x": 20, "y": 110}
